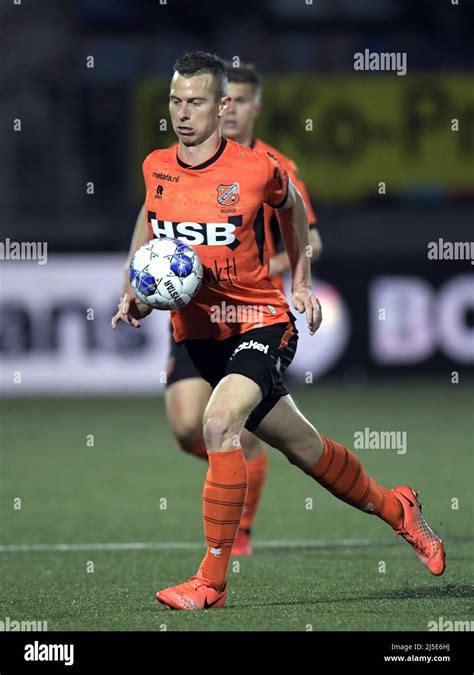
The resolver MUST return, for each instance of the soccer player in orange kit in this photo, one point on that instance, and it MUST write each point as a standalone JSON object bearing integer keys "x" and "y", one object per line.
{"x": 187, "y": 393}
{"x": 216, "y": 205}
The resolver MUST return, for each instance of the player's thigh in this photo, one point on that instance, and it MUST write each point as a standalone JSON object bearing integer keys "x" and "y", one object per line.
{"x": 186, "y": 402}
{"x": 287, "y": 429}
{"x": 231, "y": 402}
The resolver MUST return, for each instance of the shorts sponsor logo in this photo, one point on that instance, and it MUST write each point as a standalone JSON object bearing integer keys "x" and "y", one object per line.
{"x": 251, "y": 344}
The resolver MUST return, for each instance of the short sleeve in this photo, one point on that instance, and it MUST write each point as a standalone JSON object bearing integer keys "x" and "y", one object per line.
{"x": 276, "y": 188}
{"x": 146, "y": 168}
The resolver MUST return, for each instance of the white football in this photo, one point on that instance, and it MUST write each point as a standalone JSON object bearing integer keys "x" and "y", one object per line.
{"x": 166, "y": 273}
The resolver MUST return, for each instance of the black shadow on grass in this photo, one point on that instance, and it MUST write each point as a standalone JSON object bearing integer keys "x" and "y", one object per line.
{"x": 446, "y": 591}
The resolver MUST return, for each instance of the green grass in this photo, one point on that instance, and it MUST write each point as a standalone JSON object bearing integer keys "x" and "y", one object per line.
{"x": 73, "y": 493}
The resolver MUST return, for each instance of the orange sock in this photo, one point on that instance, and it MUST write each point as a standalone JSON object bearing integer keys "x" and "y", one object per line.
{"x": 225, "y": 489}
{"x": 341, "y": 472}
{"x": 257, "y": 473}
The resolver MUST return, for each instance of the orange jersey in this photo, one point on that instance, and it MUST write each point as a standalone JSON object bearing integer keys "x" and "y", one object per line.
{"x": 217, "y": 208}
{"x": 271, "y": 224}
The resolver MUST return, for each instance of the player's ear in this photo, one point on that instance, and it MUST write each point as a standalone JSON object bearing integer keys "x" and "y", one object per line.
{"x": 224, "y": 105}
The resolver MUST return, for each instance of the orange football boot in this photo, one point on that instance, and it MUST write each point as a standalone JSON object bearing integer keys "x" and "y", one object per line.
{"x": 242, "y": 544}
{"x": 428, "y": 546}
{"x": 196, "y": 593}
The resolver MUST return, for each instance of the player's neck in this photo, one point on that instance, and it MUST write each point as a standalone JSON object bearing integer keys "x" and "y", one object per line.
{"x": 198, "y": 154}
{"x": 246, "y": 139}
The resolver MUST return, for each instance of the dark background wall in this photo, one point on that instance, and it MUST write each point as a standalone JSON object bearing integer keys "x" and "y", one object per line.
{"x": 79, "y": 123}
{"x": 82, "y": 125}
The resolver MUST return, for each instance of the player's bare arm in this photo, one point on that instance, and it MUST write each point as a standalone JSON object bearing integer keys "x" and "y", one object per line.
{"x": 294, "y": 229}
{"x": 130, "y": 309}
{"x": 280, "y": 262}
{"x": 140, "y": 236}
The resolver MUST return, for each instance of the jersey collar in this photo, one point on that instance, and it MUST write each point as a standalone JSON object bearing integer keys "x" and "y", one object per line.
{"x": 208, "y": 162}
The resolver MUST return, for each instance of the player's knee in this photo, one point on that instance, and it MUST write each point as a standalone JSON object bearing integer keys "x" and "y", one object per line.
{"x": 215, "y": 429}
{"x": 188, "y": 433}
{"x": 190, "y": 444}
{"x": 219, "y": 430}
{"x": 306, "y": 452}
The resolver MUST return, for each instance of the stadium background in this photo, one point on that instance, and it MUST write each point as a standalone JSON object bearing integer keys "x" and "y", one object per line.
{"x": 71, "y": 178}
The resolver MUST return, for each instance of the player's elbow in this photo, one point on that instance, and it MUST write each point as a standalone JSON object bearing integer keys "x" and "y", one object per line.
{"x": 300, "y": 206}
{"x": 293, "y": 198}
{"x": 294, "y": 210}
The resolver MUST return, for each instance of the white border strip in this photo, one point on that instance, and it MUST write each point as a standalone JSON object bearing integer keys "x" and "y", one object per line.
{"x": 183, "y": 545}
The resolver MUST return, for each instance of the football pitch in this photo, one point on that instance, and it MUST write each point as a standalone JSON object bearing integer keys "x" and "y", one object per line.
{"x": 100, "y": 510}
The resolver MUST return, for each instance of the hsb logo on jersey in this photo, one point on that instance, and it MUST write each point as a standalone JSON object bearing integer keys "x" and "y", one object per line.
{"x": 206, "y": 234}
{"x": 228, "y": 195}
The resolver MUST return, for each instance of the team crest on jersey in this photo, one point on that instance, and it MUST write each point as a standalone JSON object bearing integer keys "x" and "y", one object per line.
{"x": 228, "y": 195}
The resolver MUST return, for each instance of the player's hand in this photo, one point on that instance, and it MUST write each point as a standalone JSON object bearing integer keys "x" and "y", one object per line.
{"x": 305, "y": 301}
{"x": 130, "y": 310}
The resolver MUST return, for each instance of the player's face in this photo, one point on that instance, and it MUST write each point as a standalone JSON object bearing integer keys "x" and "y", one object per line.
{"x": 194, "y": 109}
{"x": 238, "y": 121}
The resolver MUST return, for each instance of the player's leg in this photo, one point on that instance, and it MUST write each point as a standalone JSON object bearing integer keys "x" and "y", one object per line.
{"x": 224, "y": 493}
{"x": 229, "y": 406}
{"x": 253, "y": 383}
{"x": 257, "y": 467}
{"x": 252, "y": 445}
{"x": 186, "y": 401}
{"x": 243, "y": 371}
{"x": 186, "y": 397}
{"x": 341, "y": 472}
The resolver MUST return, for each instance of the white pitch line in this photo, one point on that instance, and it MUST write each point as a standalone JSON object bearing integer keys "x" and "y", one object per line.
{"x": 183, "y": 545}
